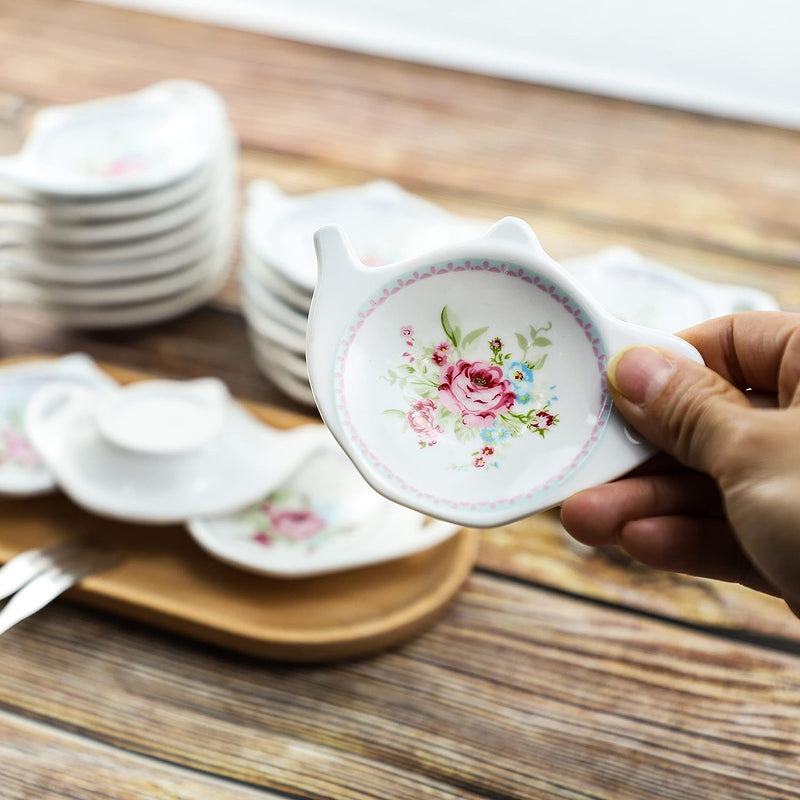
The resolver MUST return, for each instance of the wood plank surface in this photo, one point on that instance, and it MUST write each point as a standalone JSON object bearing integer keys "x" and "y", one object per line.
{"x": 561, "y": 672}
{"x": 38, "y": 761}
{"x": 516, "y": 693}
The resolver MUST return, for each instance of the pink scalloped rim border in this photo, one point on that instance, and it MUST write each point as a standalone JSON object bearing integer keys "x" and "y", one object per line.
{"x": 433, "y": 271}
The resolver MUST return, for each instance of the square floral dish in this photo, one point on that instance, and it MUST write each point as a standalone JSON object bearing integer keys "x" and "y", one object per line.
{"x": 469, "y": 383}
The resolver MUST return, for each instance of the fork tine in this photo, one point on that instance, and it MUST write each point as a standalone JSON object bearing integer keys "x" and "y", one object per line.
{"x": 25, "y": 566}
{"x": 48, "y": 585}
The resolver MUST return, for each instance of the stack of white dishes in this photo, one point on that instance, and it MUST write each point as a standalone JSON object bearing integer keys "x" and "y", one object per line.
{"x": 120, "y": 212}
{"x": 279, "y": 271}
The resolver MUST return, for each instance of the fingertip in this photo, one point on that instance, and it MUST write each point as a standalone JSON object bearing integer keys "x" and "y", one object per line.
{"x": 582, "y": 516}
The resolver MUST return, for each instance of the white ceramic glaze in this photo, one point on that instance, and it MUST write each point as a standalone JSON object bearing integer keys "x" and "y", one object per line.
{"x": 292, "y": 386}
{"x": 272, "y": 306}
{"x": 124, "y": 315}
{"x": 241, "y": 463}
{"x": 18, "y": 263}
{"x": 280, "y": 357}
{"x": 640, "y": 290}
{"x": 469, "y": 383}
{"x": 274, "y": 282}
{"x": 23, "y": 240}
{"x": 324, "y": 518}
{"x": 271, "y": 329}
{"x": 385, "y": 224}
{"x": 22, "y": 471}
{"x": 120, "y": 145}
{"x": 163, "y": 417}
{"x": 120, "y": 291}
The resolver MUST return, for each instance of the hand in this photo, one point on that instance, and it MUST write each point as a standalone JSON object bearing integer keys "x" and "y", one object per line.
{"x": 723, "y": 498}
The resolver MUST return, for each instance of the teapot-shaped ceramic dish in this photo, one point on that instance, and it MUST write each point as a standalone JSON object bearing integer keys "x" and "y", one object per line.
{"x": 120, "y": 145}
{"x": 470, "y": 383}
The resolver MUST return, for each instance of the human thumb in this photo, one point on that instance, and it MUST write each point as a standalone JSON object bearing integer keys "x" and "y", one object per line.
{"x": 682, "y": 407}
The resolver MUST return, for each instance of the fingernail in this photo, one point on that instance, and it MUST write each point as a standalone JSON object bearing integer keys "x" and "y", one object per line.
{"x": 639, "y": 373}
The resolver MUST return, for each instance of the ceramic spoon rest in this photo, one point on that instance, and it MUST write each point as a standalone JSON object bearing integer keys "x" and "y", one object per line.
{"x": 469, "y": 383}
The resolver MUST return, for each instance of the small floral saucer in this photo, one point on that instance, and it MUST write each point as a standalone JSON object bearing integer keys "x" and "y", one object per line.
{"x": 324, "y": 518}
{"x": 637, "y": 289}
{"x": 22, "y": 471}
{"x": 469, "y": 383}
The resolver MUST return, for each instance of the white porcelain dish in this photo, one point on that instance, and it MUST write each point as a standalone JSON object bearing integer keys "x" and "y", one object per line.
{"x": 17, "y": 263}
{"x": 120, "y": 145}
{"x": 323, "y": 519}
{"x": 118, "y": 466}
{"x": 22, "y": 471}
{"x": 637, "y": 289}
{"x": 279, "y": 357}
{"x": 272, "y": 306}
{"x": 23, "y": 240}
{"x": 68, "y": 233}
{"x": 271, "y": 329}
{"x": 119, "y": 292}
{"x": 292, "y": 386}
{"x": 64, "y": 208}
{"x": 125, "y": 315}
{"x": 469, "y": 383}
{"x": 274, "y": 282}
{"x": 385, "y": 224}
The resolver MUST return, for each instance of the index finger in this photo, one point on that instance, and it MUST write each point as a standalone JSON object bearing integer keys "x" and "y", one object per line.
{"x": 757, "y": 350}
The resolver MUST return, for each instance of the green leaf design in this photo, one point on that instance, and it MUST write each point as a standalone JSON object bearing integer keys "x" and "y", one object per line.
{"x": 522, "y": 342}
{"x": 394, "y": 412}
{"x": 447, "y": 327}
{"x": 472, "y": 336}
{"x": 542, "y": 341}
{"x": 539, "y": 363}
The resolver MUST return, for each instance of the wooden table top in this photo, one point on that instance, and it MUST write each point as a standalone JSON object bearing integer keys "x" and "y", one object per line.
{"x": 558, "y": 672}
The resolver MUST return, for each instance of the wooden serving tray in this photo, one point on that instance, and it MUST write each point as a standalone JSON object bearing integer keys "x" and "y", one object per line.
{"x": 166, "y": 580}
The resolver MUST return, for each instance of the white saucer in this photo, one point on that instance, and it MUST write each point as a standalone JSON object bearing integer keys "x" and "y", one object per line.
{"x": 216, "y": 472}
{"x": 22, "y": 471}
{"x": 274, "y": 282}
{"x": 294, "y": 387}
{"x": 637, "y": 289}
{"x": 279, "y": 357}
{"x": 264, "y": 325}
{"x": 271, "y": 305}
{"x": 385, "y": 223}
{"x": 323, "y": 519}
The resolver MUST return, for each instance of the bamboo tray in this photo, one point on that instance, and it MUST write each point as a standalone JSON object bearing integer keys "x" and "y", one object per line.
{"x": 166, "y": 580}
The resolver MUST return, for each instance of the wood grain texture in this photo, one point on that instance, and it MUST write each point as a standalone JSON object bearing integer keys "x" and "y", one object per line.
{"x": 672, "y": 176}
{"x": 43, "y": 763}
{"x": 516, "y": 693}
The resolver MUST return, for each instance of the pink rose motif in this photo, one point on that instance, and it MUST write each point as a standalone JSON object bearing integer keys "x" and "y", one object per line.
{"x": 422, "y": 419}
{"x": 544, "y": 419}
{"x": 19, "y": 450}
{"x": 477, "y": 391}
{"x": 297, "y": 524}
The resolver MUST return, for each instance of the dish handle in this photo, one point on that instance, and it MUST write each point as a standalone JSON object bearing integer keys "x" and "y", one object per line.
{"x": 49, "y": 409}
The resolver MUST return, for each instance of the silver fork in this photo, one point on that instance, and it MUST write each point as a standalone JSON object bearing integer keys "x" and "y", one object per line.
{"x": 39, "y": 576}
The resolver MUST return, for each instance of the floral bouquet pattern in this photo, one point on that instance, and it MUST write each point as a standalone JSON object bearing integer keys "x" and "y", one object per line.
{"x": 288, "y": 517}
{"x": 15, "y": 449}
{"x": 475, "y": 387}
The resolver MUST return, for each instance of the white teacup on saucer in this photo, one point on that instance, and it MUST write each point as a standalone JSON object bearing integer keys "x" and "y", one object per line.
{"x": 161, "y": 451}
{"x": 469, "y": 383}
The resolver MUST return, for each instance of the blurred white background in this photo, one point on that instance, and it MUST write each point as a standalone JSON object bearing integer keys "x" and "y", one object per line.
{"x": 732, "y": 58}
